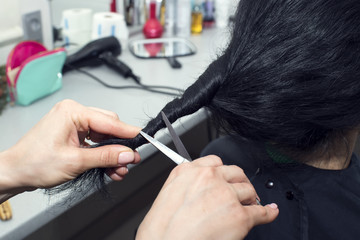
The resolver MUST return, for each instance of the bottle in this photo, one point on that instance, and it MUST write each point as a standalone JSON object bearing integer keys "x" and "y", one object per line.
{"x": 162, "y": 13}
{"x": 152, "y": 27}
{"x": 137, "y": 12}
{"x": 183, "y": 18}
{"x": 130, "y": 13}
{"x": 197, "y": 18}
{"x": 170, "y": 17}
{"x": 209, "y": 18}
{"x": 113, "y": 6}
{"x": 222, "y": 13}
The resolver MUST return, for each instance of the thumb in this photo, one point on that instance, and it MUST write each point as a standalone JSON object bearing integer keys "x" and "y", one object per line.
{"x": 106, "y": 157}
{"x": 265, "y": 214}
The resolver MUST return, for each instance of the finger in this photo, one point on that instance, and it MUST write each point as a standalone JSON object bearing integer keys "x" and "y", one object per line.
{"x": 245, "y": 193}
{"x": 137, "y": 158}
{"x": 233, "y": 174}
{"x": 109, "y": 113}
{"x": 121, "y": 171}
{"x": 105, "y": 124}
{"x": 105, "y": 157}
{"x": 262, "y": 214}
{"x": 98, "y": 137}
{"x": 114, "y": 127}
{"x": 208, "y": 161}
{"x": 113, "y": 175}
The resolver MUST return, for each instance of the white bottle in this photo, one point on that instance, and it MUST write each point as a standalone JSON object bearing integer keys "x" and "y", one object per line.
{"x": 120, "y": 7}
{"x": 170, "y": 17}
{"x": 222, "y": 12}
{"x": 183, "y": 18}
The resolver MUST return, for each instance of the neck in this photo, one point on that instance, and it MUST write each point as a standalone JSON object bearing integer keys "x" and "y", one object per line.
{"x": 334, "y": 163}
{"x": 339, "y": 158}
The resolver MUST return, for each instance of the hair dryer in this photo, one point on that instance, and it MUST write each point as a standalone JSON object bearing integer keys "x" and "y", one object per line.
{"x": 97, "y": 52}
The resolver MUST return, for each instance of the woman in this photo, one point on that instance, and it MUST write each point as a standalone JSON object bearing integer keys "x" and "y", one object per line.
{"x": 289, "y": 81}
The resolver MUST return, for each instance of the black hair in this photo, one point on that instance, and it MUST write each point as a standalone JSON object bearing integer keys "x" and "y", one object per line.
{"x": 290, "y": 75}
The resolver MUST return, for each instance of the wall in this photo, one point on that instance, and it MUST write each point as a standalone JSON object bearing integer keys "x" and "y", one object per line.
{"x": 10, "y": 29}
{"x": 10, "y": 19}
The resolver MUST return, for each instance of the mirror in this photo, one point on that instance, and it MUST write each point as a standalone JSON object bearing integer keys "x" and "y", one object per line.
{"x": 162, "y": 48}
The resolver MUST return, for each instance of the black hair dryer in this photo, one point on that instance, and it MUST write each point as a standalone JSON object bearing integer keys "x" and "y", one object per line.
{"x": 100, "y": 51}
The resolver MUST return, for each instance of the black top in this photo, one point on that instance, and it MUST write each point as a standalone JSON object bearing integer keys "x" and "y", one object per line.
{"x": 313, "y": 203}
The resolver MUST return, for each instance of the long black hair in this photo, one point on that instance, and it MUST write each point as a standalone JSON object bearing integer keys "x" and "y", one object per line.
{"x": 290, "y": 76}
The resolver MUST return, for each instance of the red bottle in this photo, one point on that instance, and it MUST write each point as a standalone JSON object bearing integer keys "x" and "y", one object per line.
{"x": 152, "y": 27}
{"x": 113, "y": 6}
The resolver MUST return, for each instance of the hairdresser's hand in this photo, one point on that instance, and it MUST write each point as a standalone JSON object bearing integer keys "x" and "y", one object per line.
{"x": 205, "y": 200}
{"x": 51, "y": 153}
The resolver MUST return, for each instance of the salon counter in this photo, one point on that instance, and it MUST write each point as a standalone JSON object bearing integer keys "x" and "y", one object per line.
{"x": 33, "y": 210}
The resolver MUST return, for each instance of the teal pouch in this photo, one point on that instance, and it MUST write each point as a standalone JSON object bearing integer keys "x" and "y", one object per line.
{"x": 39, "y": 78}
{"x": 33, "y": 72}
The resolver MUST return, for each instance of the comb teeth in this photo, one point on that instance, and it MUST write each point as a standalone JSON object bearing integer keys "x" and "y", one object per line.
{"x": 5, "y": 211}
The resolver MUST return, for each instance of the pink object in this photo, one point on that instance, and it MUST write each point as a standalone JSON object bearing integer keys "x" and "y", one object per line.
{"x": 113, "y": 6}
{"x": 153, "y": 48}
{"x": 152, "y": 27}
{"x": 23, "y": 53}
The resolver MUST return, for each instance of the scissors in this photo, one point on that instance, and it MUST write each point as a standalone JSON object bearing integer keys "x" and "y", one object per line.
{"x": 177, "y": 158}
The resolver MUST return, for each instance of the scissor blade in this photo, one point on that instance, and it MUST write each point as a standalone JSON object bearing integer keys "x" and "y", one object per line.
{"x": 177, "y": 141}
{"x": 164, "y": 149}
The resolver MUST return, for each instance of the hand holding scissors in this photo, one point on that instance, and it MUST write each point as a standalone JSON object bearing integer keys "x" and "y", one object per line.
{"x": 178, "y": 159}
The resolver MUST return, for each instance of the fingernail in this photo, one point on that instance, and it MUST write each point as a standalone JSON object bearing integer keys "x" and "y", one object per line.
{"x": 273, "y": 205}
{"x": 126, "y": 158}
{"x": 124, "y": 170}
